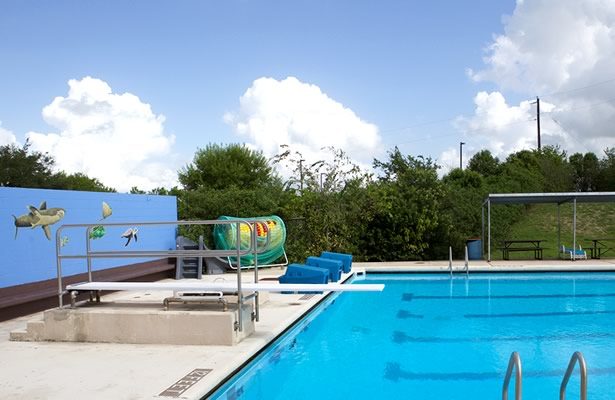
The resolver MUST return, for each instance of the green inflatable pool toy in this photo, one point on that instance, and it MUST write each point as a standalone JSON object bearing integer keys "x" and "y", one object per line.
{"x": 225, "y": 238}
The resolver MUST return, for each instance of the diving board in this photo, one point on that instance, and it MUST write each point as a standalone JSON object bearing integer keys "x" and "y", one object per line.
{"x": 224, "y": 287}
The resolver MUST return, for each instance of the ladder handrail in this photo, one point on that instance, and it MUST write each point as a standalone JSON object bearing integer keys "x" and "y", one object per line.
{"x": 513, "y": 363}
{"x": 450, "y": 260}
{"x": 577, "y": 356}
{"x": 467, "y": 263}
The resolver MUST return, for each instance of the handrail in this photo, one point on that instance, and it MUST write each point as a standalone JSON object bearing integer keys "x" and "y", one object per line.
{"x": 577, "y": 356}
{"x": 514, "y": 361}
{"x": 238, "y": 252}
{"x": 450, "y": 260}
{"x": 467, "y": 263}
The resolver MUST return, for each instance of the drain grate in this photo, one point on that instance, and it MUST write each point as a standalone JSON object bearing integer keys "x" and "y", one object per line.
{"x": 306, "y": 297}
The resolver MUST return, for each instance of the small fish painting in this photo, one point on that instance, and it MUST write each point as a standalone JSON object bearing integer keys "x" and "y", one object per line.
{"x": 97, "y": 232}
{"x": 64, "y": 241}
{"x": 106, "y": 210}
{"x": 41, "y": 216}
{"x": 129, "y": 234}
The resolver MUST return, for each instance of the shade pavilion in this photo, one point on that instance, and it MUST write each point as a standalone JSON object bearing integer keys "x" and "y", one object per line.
{"x": 541, "y": 198}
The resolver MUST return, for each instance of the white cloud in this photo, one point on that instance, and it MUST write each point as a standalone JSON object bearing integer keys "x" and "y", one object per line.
{"x": 6, "y": 136}
{"x": 272, "y": 113}
{"x": 113, "y": 137}
{"x": 502, "y": 128}
{"x": 564, "y": 51}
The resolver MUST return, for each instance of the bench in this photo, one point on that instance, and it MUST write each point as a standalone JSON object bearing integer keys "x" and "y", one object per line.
{"x": 537, "y": 251}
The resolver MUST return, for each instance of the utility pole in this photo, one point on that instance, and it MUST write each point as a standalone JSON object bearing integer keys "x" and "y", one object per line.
{"x": 537, "y": 102}
{"x": 301, "y": 174}
{"x": 461, "y": 154}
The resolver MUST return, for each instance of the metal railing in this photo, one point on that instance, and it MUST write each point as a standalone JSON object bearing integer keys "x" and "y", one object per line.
{"x": 90, "y": 254}
{"x": 577, "y": 356}
{"x": 466, "y": 265}
{"x": 513, "y": 363}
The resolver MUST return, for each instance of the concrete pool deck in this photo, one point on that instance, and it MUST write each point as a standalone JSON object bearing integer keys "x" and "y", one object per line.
{"x": 60, "y": 370}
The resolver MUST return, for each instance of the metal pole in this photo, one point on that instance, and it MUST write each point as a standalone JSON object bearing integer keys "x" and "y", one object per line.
{"x": 467, "y": 263}
{"x": 301, "y": 174}
{"x": 574, "y": 226}
{"x": 537, "y": 102}
{"x": 461, "y": 154}
{"x": 88, "y": 249}
{"x": 239, "y": 292}
{"x": 450, "y": 260}
{"x": 199, "y": 264}
{"x": 489, "y": 230}
{"x": 59, "y": 266}
{"x": 559, "y": 229}
{"x": 538, "y": 120}
{"x": 255, "y": 236}
{"x": 482, "y": 232}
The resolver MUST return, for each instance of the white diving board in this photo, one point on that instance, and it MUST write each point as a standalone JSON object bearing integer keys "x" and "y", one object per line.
{"x": 224, "y": 287}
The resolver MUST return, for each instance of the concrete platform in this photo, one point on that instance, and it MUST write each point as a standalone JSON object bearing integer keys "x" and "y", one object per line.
{"x": 64, "y": 370}
{"x": 138, "y": 323}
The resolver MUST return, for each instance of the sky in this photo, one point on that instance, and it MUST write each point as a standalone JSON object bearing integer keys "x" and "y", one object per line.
{"x": 126, "y": 92}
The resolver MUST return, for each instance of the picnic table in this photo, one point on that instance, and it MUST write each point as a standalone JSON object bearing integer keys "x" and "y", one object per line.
{"x": 532, "y": 245}
{"x": 598, "y": 247}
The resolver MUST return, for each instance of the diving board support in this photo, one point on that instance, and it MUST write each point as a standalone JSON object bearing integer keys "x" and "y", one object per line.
{"x": 129, "y": 253}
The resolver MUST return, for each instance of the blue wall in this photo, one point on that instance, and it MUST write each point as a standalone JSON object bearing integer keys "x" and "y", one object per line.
{"x": 31, "y": 256}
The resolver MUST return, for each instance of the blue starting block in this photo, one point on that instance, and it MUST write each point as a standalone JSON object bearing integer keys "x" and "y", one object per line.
{"x": 346, "y": 259}
{"x": 299, "y": 273}
{"x": 333, "y": 266}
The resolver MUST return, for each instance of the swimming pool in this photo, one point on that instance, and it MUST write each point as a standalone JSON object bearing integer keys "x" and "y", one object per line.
{"x": 427, "y": 336}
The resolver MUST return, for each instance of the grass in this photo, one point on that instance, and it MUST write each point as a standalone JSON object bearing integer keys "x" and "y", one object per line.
{"x": 594, "y": 221}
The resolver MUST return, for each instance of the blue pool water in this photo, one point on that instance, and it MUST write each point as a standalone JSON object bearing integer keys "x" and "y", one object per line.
{"x": 432, "y": 337}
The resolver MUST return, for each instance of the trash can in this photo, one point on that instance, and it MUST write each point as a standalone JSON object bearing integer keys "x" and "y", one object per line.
{"x": 475, "y": 247}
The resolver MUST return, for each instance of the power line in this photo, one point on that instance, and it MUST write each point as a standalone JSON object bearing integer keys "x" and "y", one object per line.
{"x": 450, "y": 119}
{"x": 580, "y": 88}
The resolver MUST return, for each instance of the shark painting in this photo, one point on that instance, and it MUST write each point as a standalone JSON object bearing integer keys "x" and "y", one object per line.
{"x": 41, "y": 216}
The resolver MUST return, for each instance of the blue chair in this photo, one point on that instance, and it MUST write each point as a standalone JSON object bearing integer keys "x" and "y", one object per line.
{"x": 574, "y": 254}
{"x": 333, "y": 266}
{"x": 346, "y": 259}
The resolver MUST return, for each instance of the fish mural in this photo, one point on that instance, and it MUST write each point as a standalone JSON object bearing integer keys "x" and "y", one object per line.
{"x": 97, "y": 232}
{"x": 106, "y": 210}
{"x": 129, "y": 234}
{"x": 41, "y": 216}
{"x": 64, "y": 241}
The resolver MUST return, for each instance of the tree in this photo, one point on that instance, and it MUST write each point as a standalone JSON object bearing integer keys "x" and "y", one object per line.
{"x": 220, "y": 167}
{"x": 460, "y": 212}
{"x": 606, "y": 177}
{"x": 332, "y": 210}
{"x": 20, "y": 167}
{"x": 555, "y": 169}
{"x": 228, "y": 180}
{"x": 77, "y": 181}
{"x": 585, "y": 171}
{"x": 484, "y": 163}
{"x": 406, "y": 202}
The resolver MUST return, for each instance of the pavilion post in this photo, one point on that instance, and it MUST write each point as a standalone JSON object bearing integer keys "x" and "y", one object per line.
{"x": 559, "y": 230}
{"x": 574, "y": 225}
{"x": 489, "y": 230}
{"x": 482, "y": 232}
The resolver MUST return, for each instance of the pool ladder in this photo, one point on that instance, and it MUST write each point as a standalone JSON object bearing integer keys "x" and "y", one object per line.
{"x": 466, "y": 266}
{"x": 514, "y": 363}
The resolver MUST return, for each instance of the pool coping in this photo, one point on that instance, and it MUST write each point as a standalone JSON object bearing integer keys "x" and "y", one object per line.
{"x": 50, "y": 370}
